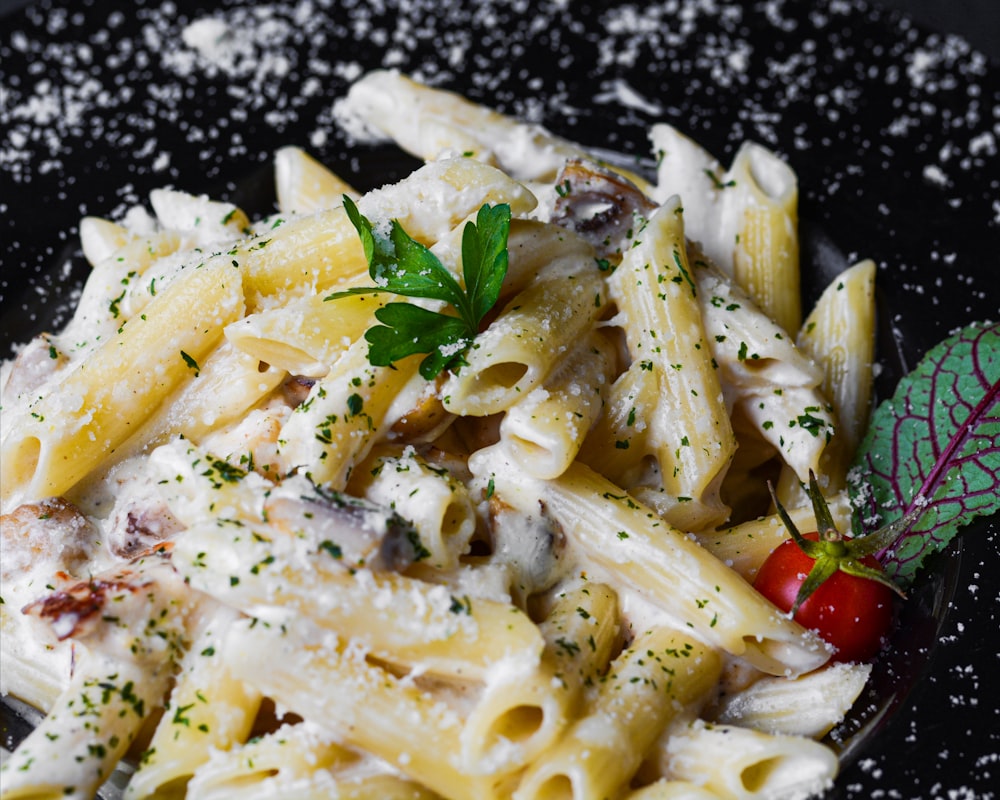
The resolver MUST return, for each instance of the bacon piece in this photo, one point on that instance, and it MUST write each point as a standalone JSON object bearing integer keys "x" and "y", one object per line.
{"x": 133, "y": 612}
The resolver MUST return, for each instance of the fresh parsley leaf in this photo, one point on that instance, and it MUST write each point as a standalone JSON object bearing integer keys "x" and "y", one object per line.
{"x": 408, "y": 329}
{"x": 484, "y": 258}
{"x": 933, "y": 450}
{"x": 398, "y": 264}
{"x": 191, "y": 363}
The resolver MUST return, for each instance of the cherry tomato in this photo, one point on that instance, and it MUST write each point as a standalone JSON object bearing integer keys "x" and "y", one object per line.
{"x": 852, "y": 614}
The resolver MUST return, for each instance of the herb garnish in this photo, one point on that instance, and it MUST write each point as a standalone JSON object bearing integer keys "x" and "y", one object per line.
{"x": 400, "y": 265}
{"x": 935, "y": 446}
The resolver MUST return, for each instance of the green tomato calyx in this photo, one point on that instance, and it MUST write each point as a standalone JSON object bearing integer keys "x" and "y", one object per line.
{"x": 832, "y": 552}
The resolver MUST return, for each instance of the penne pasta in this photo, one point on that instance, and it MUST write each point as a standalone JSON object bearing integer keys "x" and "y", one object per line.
{"x": 345, "y": 414}
{"x": 811, "y": 705}
{"x": 306, "y": 336}
{"x": 775, "y": 386}
{"x": 744, "y": 547}
{"x": 745, "y": 219}
{"x": 304, "y": 186}
{"x": 545, "y": 430}
{"x": 536, "y": 329}
{"x": 65, "y": 433}
{"x": 207, "y": 711}
{"x": 256, "y": 545}
{"x": 398, "y": 722}
{"x": 736, "y": 762}
{"x": 660, "y": 674}
{"x": 522, "y": 713}
{"x": 429, "y": 123}
{"x": 229, "y": 383}
{"x": 437, "y": 503}
{"x": 665, "y": 789}
{"x": 634, "y": 545}
{"x": 303, "y": 761}
{"x": 101, "y": 238}
{"x": 85, "y": 734}
{"x": 839, "y": 335}
{"x": 670, "y": 409}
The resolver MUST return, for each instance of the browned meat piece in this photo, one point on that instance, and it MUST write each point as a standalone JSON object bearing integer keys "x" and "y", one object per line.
{"x": 46, "y": 538}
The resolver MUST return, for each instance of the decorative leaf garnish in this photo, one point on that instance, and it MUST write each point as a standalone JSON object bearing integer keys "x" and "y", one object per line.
{"x": 933, "y": 450}
{"x": 401, "y": 265}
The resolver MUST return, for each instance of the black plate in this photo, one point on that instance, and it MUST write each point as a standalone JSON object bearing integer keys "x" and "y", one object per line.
{"x": 889, "y": 127}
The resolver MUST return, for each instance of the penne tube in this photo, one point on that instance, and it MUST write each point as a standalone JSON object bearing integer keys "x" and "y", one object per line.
{"x": 535, "y": 330}
{"x": 86, "y": 732}
{"x": 404, "y": 621}
{"x": 521, "y": 713}
{"x": 285, "y": 760}
{"x": 582, "y": 629}
{"x": 531, "y": 246}
{"x": 228, "y": 384}
{"x": 662, "y": 673}
{"x": 839, "y": 335}
{"x": 101, "y": 238}
{"x": 764, "y": 376}
{"x": 629, "y": 542}
{"x": 665, "y": 789}
{"x": 744, "y": 547}
{"x": 811, "y": 705}
{"x": 435, "y": 502}
{"x": 617, "y": 445}
{"x": 766, "y": 256}
{"x": 202, "y": 220}
{"x": 102, "y": 307}
{"x": 673, "y": 388}
{"x": 59, "y": 438}
{"x": 429, "y": 123}
{"x": 208, "y": 710}
{"x": 301, "y": 761}
{"x": 437, "y": 197}
{"x": 307, "y": 335}
{"x": 395, "y": 720}
{"x": 740, "y": 764}
{"x": 745, "y": 219}
{"x": 345, "y": 414}
{"x": 304, "y": 186}
{"x": 545, "y": 430}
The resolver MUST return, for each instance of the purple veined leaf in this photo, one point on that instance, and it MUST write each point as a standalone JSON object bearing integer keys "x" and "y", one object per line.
{"x": 935, "y": 443}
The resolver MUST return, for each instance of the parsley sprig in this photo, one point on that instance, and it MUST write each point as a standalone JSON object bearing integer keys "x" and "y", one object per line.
{"x": 398, "y": 264}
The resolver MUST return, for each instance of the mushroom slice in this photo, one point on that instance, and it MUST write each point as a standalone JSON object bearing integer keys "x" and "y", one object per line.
{"x": 602, "y": 206}
{"x": 367, "y": 535}
{"x": 529, "y": 545}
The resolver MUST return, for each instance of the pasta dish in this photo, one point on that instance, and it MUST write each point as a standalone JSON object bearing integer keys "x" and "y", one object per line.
{"x": 257, "y": 545}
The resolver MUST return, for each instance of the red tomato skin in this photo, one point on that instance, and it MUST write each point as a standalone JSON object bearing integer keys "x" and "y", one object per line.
{"x": 852, "y": 614}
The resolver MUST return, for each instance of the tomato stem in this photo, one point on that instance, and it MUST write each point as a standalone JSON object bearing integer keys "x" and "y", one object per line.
{"x": 832, "y": 552}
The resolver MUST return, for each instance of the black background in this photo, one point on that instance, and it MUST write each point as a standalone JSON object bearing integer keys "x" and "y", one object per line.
{"x": 940, "y": 736}
{"x": 976, "y": 20}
